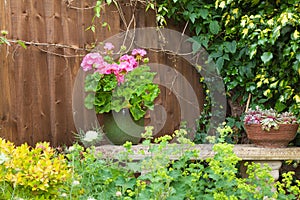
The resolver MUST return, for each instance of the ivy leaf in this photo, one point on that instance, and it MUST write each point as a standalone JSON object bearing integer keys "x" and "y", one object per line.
{"x": 203, "y": 13}
{"x": 220, "y": 63}
{"x": 214, "y": 27}
{"x": 196, "y": 46}
{"x": 252, "y": 50}
{"x": 226, "y": 57}
{"x": 279, "y": 106}
{"x": 296, "y": 98}
{"x": 268, "y": 93}
{"x": 262, "y": 101}
{"x": 295, "y": 35}
{"x": 192, "y": 17}
{"x": 296, "y": 66}
{"x": 230, "y": 46}
{"x": 250, "y": 87}
{"x": 215, "y": 54}
{"x": 298, "y": 56}
{"x": 204, "y": 40}
{"x": 198, "y": 29}
{"x": 266, "y": 57}
{"x": 276, "y": 32}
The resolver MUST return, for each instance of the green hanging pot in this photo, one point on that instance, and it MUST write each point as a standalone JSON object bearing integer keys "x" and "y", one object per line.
{"x": 120, "y": 127}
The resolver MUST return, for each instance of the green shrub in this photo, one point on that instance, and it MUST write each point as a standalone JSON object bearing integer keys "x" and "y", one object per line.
{"x": 163, "y": 177}
{"x": 38, "y": 173}
{"x": 254, "y": 44}
{"x": 31, "y": 173}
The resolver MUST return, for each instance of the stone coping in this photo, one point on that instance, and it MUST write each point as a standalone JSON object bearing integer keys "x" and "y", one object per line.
{"x": 243, "y": 151}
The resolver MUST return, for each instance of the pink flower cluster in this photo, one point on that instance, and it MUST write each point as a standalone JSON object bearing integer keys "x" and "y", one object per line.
{"x": 126, "y": 63}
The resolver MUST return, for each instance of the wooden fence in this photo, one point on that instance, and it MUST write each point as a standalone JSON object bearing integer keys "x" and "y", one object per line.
{"x": 37, "y": 82}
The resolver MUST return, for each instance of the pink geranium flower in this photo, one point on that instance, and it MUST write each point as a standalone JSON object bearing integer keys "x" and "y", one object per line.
{"x": 103, "y": 68}
{"x": 91, "y": 60}
{"x": 128, "y": 63}
{"x": 114, "y": 67}
{"x": 138, "y": 52}
{"x": 120, "y": 77}
{"x": 114, "y": 83}
{"x": 109, "y": 46}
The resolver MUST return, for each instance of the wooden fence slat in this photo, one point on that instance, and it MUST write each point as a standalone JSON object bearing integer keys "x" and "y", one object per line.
{"x": 37, "y": 83}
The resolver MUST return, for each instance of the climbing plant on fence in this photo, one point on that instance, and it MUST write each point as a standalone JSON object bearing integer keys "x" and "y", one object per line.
{"x": 254, "y": 44}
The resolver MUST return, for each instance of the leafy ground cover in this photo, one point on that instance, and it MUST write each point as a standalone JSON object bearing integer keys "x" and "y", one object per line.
{"x": 76, "y": 172}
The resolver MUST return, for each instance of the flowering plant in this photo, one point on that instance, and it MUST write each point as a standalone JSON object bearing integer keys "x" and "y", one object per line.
{"x": 125, "y": 83}
{"x": 91, "y": 137}
{"x": 269, "y": 118}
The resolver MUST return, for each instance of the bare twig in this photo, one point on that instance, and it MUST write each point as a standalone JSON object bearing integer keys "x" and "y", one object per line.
{"x": 69, "y": 5}
{"x": 248, "y": 102}
{"x": 47, "y": 44}
{"x": 58, "y": 54}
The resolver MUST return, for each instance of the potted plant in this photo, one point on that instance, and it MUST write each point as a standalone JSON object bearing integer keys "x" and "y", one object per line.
{"x": 268, "y": 128}
{"x": 122, "y": 88}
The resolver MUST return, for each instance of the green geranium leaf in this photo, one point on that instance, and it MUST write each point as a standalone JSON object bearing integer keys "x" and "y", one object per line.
{"x": 91, "y": 82}
{"x": 137, "y": 112}
{"x": 137, "y": 92}
{"x": 118, "y": 104}
{"x": 103, "y": 101}
{"x": 108, "y": 82}
{"x": 89, "y": 101}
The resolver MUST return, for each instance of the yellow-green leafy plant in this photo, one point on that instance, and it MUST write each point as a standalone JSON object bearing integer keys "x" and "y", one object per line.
{"x": 28, "y": 172}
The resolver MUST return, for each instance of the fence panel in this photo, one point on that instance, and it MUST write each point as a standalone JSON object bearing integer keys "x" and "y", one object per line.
{"x": 37, "y": 82}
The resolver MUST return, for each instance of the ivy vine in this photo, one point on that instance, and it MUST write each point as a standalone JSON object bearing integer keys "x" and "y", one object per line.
{"x": 254, "y": 44}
